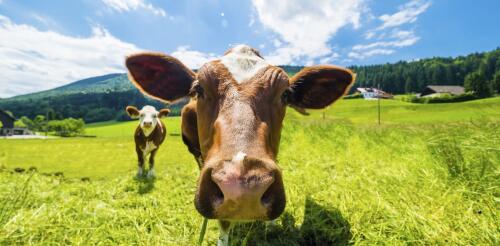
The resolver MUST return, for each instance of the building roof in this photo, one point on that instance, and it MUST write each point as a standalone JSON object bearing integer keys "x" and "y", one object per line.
{"x": 452, "y": 89}
{"x": 373, "y": 93}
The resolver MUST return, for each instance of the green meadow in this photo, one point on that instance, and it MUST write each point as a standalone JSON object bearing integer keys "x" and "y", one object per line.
{"x": 428, "y": 175}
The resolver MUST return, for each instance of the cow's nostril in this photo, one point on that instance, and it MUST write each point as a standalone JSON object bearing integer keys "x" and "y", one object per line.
{"x": 274, "y": 197}
{"x": 217, "y": 196}
{"x": 267, "y": 198}
{"x": 208, "y": 196}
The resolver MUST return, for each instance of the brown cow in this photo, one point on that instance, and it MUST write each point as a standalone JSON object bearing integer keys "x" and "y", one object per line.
{"x": 148, "y": 136}
{"x": 232, "y": 125}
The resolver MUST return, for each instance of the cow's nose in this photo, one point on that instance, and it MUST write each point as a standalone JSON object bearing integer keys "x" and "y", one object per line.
{"x": 147, "y": 124}
{"x": 238, "y": 187}
{"x": 241, "y": 191}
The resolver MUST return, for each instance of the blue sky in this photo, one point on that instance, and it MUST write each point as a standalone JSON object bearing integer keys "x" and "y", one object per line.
{"x": 45, "y": 44}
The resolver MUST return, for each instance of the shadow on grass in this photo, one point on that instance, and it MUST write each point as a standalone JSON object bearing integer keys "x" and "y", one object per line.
{"x": 145, "y": 185}
{"x": 321, "y": 226}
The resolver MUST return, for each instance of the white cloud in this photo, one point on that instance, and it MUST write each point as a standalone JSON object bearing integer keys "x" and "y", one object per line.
{"x": 388, "y": 34}
{"x": 369, "y": 34}
{"x": 33, "y": 60}
{"x": 401, "y": 34}
{"x": 397, "y": 39}
{"x": 329, "y": 59}
{"x": 129, "y": 5}
{"x": 407, "y": 13}
{"x": 403, "y": 38}
{"x": 193, "y": 59}
{"x": 305, "y": 27}
{"x": 369, "y": 53}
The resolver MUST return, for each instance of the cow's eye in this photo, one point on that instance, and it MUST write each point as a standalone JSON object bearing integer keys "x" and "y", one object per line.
{"x": 154, "y": 115}
{"x": 197, "y": 91}
{"x": 142, "y": 115}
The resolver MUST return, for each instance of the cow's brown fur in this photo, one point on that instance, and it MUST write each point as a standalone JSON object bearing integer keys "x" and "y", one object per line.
{"x": 230, "y": 118}
{"x": 189, "y": 128}
{"x": 156, "y": 137}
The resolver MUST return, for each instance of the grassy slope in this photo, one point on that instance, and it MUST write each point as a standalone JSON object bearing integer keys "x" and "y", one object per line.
{"x": 427, "y": 176}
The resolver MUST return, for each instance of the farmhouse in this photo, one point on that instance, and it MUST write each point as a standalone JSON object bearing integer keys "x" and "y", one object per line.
{"x": 8, "y": 128}
{"x": 374, "y": 93}
{"x": 436, "y": 90}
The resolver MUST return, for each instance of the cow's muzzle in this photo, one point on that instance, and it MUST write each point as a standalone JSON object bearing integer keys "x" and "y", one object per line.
{"x": 241, "y": 191}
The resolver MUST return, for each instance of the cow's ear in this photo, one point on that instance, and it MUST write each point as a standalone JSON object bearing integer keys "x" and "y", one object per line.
{"x": 319, "y": 86}
{"x": 133, "y": 112}
{"x": 163, "y": 112}
{"x": 160, "y": 76}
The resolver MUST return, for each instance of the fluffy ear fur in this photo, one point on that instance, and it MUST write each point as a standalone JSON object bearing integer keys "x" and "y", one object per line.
{"x": 163, "y": 112}
{"x": 319, "y": 86}
{"x": 132, "y": 111}
{"x": 160, "y": 76}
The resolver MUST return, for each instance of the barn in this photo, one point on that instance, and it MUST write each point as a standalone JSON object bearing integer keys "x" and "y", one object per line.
{"x": 437, "y": 90}
{"x": 8, "y": 128}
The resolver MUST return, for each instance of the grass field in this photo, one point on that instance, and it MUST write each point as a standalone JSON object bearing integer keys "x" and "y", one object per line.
{"x": 428, "y": 175}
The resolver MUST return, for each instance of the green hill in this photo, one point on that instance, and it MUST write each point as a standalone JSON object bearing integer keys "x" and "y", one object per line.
{"x": 99, "y": 84}
{"x": 93, "y": 99}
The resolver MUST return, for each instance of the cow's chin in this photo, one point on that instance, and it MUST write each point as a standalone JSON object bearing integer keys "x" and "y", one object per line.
{"x": 247, "y": 205}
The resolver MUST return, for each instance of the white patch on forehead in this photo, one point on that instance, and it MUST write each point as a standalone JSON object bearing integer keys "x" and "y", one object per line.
{"x": 148, "y": 109}
{"x": 243, "y": 63}
{"x": 239, "y": 157}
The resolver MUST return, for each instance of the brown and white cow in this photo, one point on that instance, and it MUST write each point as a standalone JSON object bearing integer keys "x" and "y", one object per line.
{"x": 148, "y": 136}
{"x": 232, "y": 125}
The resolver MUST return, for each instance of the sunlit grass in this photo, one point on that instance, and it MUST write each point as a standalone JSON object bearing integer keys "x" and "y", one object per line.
{"x": 347, "y": 181}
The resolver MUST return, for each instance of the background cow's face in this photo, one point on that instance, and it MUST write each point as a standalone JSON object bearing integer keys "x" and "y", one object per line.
{"x": 240, "y": 106}
{"x": 148, "y": 116}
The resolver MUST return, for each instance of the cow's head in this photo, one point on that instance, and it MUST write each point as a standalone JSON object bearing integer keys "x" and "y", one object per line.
{"x": 240, "y": 104}
{"x": 148, "y": 116}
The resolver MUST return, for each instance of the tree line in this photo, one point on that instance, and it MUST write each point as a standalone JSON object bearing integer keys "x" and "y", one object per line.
{"x": 477, "y": 72}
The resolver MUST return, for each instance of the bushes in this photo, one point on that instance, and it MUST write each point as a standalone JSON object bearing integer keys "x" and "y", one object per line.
{"x": 67, "y": 128}
{"x": 445, "y": 98}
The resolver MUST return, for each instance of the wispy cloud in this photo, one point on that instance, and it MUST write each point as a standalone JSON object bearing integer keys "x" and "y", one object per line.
{"x": 369, "y": 53}
{"x": 130, "y": 5}
{"x": 386, "y": 45}
{"x": 304, "y": 29}
{"x": 403, "y": 38}
{"x": 388, "y": 35}
{"x": 407, "y": 13}
{"x": 33, "y": 60}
